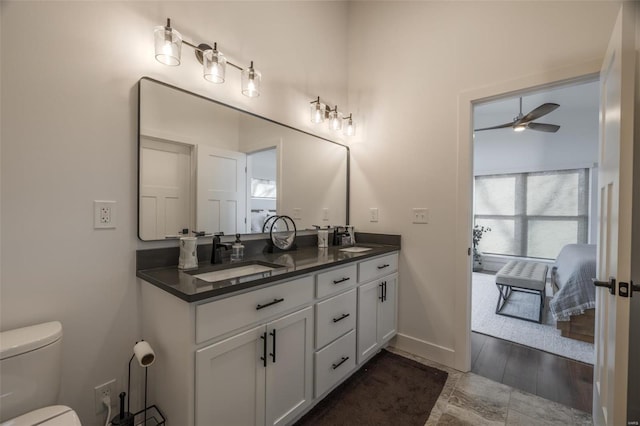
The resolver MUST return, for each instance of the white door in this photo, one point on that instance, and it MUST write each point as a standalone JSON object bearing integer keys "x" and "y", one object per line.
{"x": 368, "y": 296}
{"x": 387, "y": 309}
{"x": 230, "y": 379}
{"x": 165, "y": 188}
{"x": 289, "y": 366}
{"x": 221, "y": 191}
{"x": 614, "y": 231}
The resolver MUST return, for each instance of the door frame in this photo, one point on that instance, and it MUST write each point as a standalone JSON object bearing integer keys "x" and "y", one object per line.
{"x": 588, "y": 71}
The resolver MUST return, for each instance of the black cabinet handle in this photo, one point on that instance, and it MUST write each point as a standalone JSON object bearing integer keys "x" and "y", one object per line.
{"x": 342, "y": 361}
{"x": 264, "y": 349}
{"x": 386, "y": 265}
{"x": 341, "y": 318}
{"x": 269, "y": 304}
{"x": 381, "y": 297}
{"x": 273, "y": 354}
{"x": 384, "y": 291}
{"x": 341, "y": 280}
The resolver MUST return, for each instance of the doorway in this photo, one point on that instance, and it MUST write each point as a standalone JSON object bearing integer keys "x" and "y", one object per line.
{"x": 535, "y": 156}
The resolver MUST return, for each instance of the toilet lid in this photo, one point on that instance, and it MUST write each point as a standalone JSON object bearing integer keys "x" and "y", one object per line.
{"x": 55, "y": 415}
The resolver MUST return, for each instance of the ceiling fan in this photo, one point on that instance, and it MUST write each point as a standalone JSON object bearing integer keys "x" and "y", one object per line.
{"x": 522, "y": 122}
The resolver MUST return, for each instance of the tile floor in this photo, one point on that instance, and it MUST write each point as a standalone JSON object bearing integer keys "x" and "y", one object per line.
{"x": 469, "y": 399}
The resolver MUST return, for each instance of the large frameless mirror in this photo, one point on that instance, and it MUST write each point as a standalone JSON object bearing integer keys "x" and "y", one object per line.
{"x": 208, "y": 167}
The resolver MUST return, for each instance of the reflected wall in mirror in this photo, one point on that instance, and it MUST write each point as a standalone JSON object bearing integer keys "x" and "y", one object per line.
{"x": 208, "y": 167}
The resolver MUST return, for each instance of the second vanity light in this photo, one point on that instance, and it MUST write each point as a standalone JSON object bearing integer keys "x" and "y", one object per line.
{"x": 168, "y": 46}
{"x": 321, "y": 112}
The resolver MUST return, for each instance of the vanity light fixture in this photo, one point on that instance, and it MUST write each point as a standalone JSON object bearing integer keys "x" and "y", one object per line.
{"x": 335, "y": 119}
{"x": 320, "y": 112}
{"x": 251, "y": 82}
{"x": 350, "y": 128}
{"x": 168, "y": 44}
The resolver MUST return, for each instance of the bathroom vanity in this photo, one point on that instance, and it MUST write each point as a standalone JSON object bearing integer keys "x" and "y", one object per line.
{"x": 263, "y": 349}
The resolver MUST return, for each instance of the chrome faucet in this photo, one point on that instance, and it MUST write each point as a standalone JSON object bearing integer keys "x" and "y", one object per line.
{"x": 216, "y": 248}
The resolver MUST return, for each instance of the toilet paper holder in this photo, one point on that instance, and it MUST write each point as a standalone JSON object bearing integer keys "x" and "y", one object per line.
{"x": 145, "y": 356}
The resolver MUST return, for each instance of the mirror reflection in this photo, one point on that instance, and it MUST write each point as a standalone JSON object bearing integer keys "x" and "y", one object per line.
{"x": 207, "y": 167}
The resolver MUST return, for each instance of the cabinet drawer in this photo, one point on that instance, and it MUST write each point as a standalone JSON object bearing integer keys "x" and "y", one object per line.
{"x": 335, "y": 280}
{"x": 334, "y": 317}
{"x": 380, "y": 266}
{"x": 334, "y": 362}
{"x": 224, "y": 315}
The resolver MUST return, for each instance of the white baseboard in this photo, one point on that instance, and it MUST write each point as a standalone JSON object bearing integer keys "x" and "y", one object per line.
{"x": 424, "y": 349}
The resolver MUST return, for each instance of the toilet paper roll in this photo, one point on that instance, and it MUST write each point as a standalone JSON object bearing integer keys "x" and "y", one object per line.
{"x": 144, "y": 354}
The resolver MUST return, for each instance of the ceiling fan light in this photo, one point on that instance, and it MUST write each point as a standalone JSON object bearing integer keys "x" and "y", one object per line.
{"x": 519, "y": 128}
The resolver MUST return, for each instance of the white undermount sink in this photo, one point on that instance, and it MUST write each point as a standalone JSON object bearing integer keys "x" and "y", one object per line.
{"x": 355, "y": 249}
{"x": 236, "y": 271}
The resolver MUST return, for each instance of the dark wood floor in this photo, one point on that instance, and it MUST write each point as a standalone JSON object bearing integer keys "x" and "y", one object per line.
{"x": 541, "y": 373}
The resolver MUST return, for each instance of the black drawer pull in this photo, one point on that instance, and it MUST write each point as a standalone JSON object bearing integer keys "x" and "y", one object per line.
{"x": 341, "y": 280}
{"x": 269, "y": 304}
{"x": 381, "y": 297}
{"x": 273, "y": 354}
{"x": 386, "y": 265}
{"x": 341, "y": 318}
{"x": 342, "y": 361}
{"x": 264, "y": 349}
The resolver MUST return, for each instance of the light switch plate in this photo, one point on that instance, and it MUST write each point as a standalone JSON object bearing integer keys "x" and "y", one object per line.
{"x": 420, "y": 215}
{"x": 297, "y": 213}
{"x": 325, "y": 214}
{"x": 373, "y": 214}
{"x": 104, "y": 214}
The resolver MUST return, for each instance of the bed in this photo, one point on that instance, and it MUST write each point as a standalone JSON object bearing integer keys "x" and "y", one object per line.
{"x": 574, "y": 300}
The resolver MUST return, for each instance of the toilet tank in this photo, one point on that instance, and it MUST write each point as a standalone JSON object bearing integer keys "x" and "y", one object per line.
{"x": 30, "y": 368}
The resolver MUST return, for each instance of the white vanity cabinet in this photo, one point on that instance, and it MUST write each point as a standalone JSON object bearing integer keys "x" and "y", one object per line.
{"x": 261, "y": 376}
{"x": 377, "y": 304}
{"x": 265, "y": 356}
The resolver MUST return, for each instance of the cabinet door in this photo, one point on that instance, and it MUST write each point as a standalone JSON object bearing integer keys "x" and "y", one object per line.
{"x": 368, "y": 298}
{"x": 230, "y": 381}
{"x": 289, "y": 372}
{"x": 387, "y": 312}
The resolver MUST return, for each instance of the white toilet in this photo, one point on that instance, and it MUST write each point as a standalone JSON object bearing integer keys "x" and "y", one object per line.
{"x": 30, "y": 369}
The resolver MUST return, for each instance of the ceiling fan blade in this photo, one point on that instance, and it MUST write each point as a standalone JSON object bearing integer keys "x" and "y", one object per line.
{"x": 543, "y": 127}
{"x": 501, "y": 126}
{"x": 542, "y": 110}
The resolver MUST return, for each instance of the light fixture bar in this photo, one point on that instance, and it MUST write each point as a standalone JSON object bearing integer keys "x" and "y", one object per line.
{"x": 168, "y": 42}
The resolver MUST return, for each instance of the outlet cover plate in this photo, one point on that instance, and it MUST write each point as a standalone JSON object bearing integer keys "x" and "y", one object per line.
{"x": 373, "y": 214}
{"x": 104, "y": 214}
{"x": 108, "y": 388}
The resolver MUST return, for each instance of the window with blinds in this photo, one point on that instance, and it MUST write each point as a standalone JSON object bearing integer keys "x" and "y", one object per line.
{"x": 532, "y": 214}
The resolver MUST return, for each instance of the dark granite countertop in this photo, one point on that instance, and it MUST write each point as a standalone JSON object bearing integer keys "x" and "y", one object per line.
{"x": 298, "y": 262}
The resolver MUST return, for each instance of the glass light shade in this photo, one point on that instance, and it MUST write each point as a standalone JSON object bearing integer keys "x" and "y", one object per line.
{"x": 317, "y": 112}
{"x": 251, "y": 82}
{"x": 168, "y": 45}
{"x": 520, "y": 128}
{"x": 350, "y": 128}
{"x": 214, "y": 65}
{"x": 335, "y": 120}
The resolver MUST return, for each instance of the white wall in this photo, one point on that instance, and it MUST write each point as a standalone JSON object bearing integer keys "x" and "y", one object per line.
{"x": 409, "y": 63}
{"x": 69, "y": 103}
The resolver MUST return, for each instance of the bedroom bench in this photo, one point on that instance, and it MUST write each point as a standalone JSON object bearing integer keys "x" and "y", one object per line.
{"x": 526, "y": 277}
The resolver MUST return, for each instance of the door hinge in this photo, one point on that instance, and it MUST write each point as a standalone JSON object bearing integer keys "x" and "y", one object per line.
{"x": 627, "y": 289}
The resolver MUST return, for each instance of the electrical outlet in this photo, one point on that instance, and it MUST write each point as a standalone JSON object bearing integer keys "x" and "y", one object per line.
{"x": 373, "y": 214}
{"x": 105, "y": 389}
{"x": 297, "y": 213}
{"x": 420, "y": 215}
{"x": 325, "y": 214}
{"x": 104, "y": 214}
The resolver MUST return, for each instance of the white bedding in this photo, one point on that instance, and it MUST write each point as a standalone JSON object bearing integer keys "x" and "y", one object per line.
{"x": 572, "y": 277}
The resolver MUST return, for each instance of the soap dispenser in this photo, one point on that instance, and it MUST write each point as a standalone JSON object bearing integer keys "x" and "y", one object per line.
{"x": 237, "y": 250}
